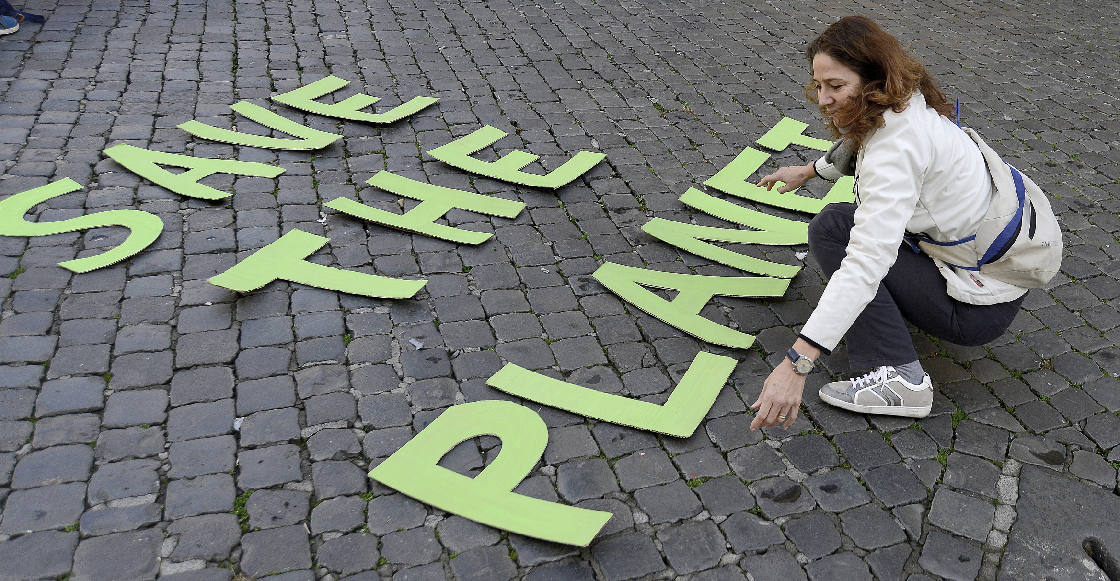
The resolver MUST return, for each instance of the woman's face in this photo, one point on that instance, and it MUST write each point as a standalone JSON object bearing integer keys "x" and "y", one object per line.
{"x": 838, "y": 85}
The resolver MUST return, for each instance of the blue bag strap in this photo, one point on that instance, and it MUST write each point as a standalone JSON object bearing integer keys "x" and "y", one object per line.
{"x": 1012, "y": 227}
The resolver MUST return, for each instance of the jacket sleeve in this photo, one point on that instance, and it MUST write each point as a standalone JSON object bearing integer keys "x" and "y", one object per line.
{"x": 838, "y": 162}
{"x": 889, "y": 182}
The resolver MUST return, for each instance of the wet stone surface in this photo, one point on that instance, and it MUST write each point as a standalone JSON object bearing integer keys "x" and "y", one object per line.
{"x": 156, "y": 426}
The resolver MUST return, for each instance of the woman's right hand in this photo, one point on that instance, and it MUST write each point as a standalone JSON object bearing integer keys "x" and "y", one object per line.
{"x": 793, "y": 177}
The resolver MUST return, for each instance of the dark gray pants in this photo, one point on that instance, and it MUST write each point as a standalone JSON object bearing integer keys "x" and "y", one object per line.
{"x": 913, "y": 290}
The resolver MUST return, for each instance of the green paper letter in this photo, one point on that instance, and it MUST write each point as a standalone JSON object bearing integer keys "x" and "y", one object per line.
{"x": 437, "y": 201}
{"x": 308, "y": 138}
{"x": 691, "y": 237}
{"x": 508, "y": 168}
{"x": 789, "y": 131}
{"x": 694, "y": 292}
{"x": 679, "y": 417}
{"x": 285, "y": 259}
{"x": 145, "y": 163}
{"x": 731, "y": 180}
{"x": 487, "y": 498}
{"x": 304, "y": 98}
{"x": 144, "y": 227}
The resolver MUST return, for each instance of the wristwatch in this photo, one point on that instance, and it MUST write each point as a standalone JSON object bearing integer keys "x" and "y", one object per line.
{"x": 801, "y": 364}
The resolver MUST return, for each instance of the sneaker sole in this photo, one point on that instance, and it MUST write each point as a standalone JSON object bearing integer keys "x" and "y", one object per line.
{"x": 11, "y": 30}
{"x": 883, "y": 410}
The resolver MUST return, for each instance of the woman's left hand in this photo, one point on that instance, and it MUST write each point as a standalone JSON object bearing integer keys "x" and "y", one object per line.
{"x": 780, "y": 397}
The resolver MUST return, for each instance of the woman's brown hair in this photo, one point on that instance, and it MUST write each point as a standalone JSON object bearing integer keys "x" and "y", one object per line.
{"x": 888, "y": 72}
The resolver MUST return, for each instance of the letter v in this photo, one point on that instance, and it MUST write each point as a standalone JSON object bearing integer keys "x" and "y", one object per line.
{"x": 308, "y": 138}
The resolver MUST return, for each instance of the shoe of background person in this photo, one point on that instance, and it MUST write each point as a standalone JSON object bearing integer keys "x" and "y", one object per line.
{"x": 883, "y": 391}
{"x": 8, "y": 25}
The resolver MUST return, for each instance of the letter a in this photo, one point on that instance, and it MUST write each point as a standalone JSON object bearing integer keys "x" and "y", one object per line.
{"x": 146, "y": 163}
{"x": 488, "y": 497}
{"x": 286, "y": 259}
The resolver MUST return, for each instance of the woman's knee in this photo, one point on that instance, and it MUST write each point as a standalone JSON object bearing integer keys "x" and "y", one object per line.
{"x": 829, "y": 233}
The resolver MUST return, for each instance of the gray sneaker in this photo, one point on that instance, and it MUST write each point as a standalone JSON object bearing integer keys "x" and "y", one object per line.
{"x": 883, "y": 391}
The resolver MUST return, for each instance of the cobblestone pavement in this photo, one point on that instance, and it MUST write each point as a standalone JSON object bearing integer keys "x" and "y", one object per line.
{"x": 153, "y": 425}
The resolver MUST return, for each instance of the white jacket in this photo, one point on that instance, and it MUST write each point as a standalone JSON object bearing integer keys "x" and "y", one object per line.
{"x": 918, "y": 173}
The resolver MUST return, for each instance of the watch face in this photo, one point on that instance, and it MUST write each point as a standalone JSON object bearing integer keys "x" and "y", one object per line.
{"x": 803, "y": 365}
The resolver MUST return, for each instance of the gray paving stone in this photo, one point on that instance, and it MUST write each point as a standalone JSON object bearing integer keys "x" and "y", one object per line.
{"x": 980, "y": 440}
{"x": 45, "y": 508}
{"x": 263, "y": 394}
{"x": 458, "y": 534}
{"x": 202, "y": 456}
{"x": 204, "y": 494}
{"x": 484, "y": 564}
{"x": 754, "y": 462}
{"x": 394, "y": 512}
{"x": 961, "y": 514}
{"x": 870, "y": 527}
{"x": 644, "y": 468}
{"x": 276, "y": 508}
{"x": 39, "y": 555}
{"x": 122, "y": 480}
{"x": 748, "y": 533}
{"x": 781, "y": 496}
{"x": 810, "y": 452}
{"x": 841, "y": 566}
{"x": 865, "y": 450}
{"x": 55, "y": 465}
{"x": 814, "y": 534}
{"x": 668, "y": 503}
{"x": 200, "y": 420}
{"x": 131, "y": 555}
{"x": 1040, "y": 451}
{"x": 135, "y": 408}
{"x": 567, "y": 571}
{"x": 566, "y": 443}
{"x": 627, "y": 557}
{"x": 888, "y": 563}
{"x": 209, "y": 537}
{"x": 774, "y": 565}
{"x": 893, "y": 484}
{"x": 583, "y": 479}
{"x": 275, "y": 550}
{"x": 693, "y": 546}
{"x": 69, "y": 429}
{"x": 349, "y": 553}
{"x": 972, "y": 474}
{"x": 1094, "y": 468}
{"x": 615, "y": 440}
{"x": 341, "y": 513}
{"x": 724, "y": 496}
{"x": 70, "y": 395}
{"x": 201, "y": 384}
{"x": 950, "y": 557}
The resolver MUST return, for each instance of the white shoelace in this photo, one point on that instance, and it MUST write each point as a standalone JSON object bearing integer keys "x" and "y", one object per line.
{"x": 874, "y": 377}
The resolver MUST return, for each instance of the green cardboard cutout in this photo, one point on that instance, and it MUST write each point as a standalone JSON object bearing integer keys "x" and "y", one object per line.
{"x": 781, "y": 231}
{"x": 308, "y": 138}
{"x": 679, "y": 416}
{"x": 789, "y": 131}
{"x": 437, "y": 201}
{"x": 350, "y": 108}
{"x": 771, "y": 230}
{"x": 487, "y": 498}
{"x": 694, "y": 292}
{"x": 508, "y": 168}
{"x": 285, "y": 259}
{"x": 146, "y": 163}
{"x": 144, "y": 227}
